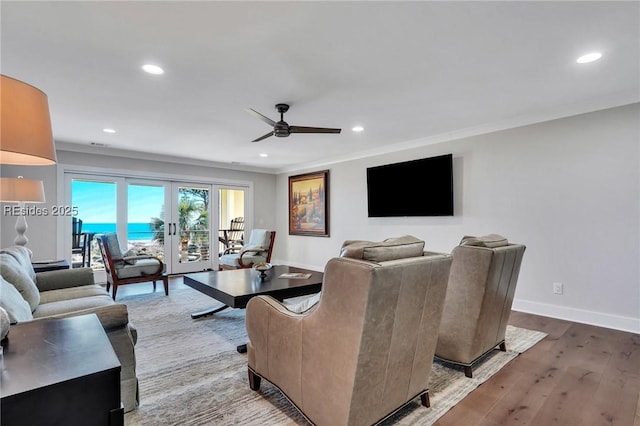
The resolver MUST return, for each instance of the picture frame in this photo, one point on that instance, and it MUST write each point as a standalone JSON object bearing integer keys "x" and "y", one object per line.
{"x": 309, "y": 204}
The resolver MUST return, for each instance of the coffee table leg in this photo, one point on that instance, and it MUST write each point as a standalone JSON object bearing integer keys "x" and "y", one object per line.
{"x": 242, "y": 349}
{"x": 208, "y": 312}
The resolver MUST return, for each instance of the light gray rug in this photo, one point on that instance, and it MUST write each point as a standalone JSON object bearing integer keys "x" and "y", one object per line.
{"x": 190, "y": 373}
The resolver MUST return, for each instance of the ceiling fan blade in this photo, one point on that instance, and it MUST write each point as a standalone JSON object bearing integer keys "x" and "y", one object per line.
{"x": 267, "y": 120}
{"x": 263, "y": 137}
{"x": 302, "y": 129}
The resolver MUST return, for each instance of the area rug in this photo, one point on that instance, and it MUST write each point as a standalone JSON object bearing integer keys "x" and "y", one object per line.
{"x": 190, "y": 373}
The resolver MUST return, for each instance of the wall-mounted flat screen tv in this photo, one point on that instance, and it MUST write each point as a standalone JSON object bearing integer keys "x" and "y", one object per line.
{"x": 421, "y": 187}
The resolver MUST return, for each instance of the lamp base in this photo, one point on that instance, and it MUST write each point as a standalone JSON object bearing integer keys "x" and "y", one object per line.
{"x": 21, "y": 229}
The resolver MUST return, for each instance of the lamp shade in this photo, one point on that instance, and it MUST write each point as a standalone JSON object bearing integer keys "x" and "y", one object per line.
{"x": 25, "y": 126}
{"x": 17, "y": 190}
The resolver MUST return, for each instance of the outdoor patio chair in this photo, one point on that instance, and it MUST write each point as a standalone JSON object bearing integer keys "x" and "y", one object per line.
{"x": 124, "y": 269}
{"x": 233, "y": 238}
{"x": 79, "y": 242}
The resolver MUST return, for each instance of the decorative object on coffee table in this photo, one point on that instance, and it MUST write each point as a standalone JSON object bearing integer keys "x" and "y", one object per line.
{"x": 309, "y": 204}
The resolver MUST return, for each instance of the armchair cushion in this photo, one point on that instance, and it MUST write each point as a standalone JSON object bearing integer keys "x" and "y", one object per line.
{"x": 151, "y": 266}
{"x": 259, "y": 238}
{"x": 17, "y": 308}
{"x": 17, "y": 275}
{"x": 490, "y": 241}
{"x": 389, "y": 249}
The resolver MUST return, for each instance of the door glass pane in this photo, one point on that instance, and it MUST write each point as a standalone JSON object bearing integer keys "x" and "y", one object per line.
{"x": 145, "y": 219}
{"x": 193, "y": 223}
{"x": 96, "y": 203}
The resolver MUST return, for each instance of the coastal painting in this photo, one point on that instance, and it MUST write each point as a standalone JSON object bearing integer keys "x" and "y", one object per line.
{"x": 309, "y": 204}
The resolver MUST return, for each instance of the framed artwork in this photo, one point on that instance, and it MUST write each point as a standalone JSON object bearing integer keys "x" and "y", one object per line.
{"x": 309, "y": 204}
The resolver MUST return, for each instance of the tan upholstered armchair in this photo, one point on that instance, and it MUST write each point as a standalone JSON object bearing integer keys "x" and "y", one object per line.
{"x": 364, "y": 350}
{"x": 482, "y": 283}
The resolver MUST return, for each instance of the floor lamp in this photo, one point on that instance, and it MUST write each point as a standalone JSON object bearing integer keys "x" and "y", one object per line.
{"x": 20, "y": 190}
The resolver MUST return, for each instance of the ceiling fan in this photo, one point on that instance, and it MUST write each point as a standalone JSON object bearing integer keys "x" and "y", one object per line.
{"x": 282, "y": 129}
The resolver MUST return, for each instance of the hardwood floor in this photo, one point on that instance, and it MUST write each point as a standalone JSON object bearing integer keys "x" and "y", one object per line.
{"x": 578, "y": 375}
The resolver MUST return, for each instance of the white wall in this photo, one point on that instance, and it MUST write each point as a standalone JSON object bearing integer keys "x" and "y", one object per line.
{"x": 43, "y": 232}
{"x": 568, "y": 189}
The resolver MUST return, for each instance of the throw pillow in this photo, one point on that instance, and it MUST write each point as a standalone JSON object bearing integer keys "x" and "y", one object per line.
{"x": 304, "y": 305}
{"x": 16, "y": 275}
{"x": 11, "y": 301}
{"x": 23, "y": 255}
{"x": 130, "y": 253}
{"x": 490, "y": 241}
{"x": 259, "y": 238}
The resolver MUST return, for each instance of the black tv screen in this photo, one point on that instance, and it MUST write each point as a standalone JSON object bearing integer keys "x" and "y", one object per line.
{"x": 421, "y": 187}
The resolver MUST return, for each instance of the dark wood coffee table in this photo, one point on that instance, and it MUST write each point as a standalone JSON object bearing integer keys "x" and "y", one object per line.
{"x": 236, "y": 287}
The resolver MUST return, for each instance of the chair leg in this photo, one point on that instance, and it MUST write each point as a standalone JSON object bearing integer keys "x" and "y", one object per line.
{"x": 154, "y": 286}
{"x": 165, "y": 281}
{"x": 503, "y": 347}
{"x": 115, "y": 288}
{"x": 467, "y": 371}
{"x": 424, "y": 399}
{"x": 254, "y": 380}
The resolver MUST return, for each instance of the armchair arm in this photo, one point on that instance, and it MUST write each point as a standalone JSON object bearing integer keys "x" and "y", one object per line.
{"x": 251, "y": 251}
{"x": 272, "y": 327}
{"x": 110, "y": 316}
{"x": 64, "y": 278}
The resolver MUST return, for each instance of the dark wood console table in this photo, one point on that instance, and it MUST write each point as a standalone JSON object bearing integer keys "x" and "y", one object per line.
{"x": 60, "y": 372}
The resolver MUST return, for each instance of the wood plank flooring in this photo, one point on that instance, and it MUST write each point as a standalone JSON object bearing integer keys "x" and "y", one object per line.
{"x": 578, "y": 375}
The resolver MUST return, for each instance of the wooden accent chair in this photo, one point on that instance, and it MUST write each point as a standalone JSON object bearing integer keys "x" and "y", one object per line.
{"x": 366, "y": 348}
{"x": 482, "y": 283}
{"x": 123, "y": 269}
{"x": 258, "y": 249}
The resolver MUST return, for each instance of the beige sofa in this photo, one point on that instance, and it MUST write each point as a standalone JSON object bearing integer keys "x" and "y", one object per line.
{"x": 482, "y": 284}
{"x": 366, "y": 348}
{"x": 30, "y": 296}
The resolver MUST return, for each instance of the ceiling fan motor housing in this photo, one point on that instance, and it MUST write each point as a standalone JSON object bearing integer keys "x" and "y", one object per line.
{"x": 281, "y": 129}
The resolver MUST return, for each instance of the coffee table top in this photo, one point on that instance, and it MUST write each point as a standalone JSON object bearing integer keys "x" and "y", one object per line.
{"x": 235, "y": 287}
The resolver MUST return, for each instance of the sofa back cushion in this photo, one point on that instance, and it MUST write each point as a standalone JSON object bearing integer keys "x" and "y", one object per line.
{"x": 389, "y": 249}
{"x": 18, "y": 276}
{"x": 11, "y": 301}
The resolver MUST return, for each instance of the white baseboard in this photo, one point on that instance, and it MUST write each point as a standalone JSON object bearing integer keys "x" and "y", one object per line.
{"x": 599, "y": 319}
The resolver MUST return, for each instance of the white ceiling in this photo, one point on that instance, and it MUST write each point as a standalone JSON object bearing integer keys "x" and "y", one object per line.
{"x": 409, "y": 72}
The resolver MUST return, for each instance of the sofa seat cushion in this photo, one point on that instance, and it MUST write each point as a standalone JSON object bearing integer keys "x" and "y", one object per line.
{"x": 489, "y": 241}
{"x": 18, "y": 276}
{"x": 389, "y": 249}
{"x": 72, "y": 293}
{"x": 10, "y": 299}
{"x": 141, "y": 267}
{"x": 71, "y": 305}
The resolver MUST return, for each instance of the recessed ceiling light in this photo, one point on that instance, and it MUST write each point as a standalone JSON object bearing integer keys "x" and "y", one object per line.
{"x": 153, "y": 69}
{"x": 264, "y": 155}
{"x": 108, "y": 130}
{"x": 589, "y": 57}
{"x": 357, "y": 128}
